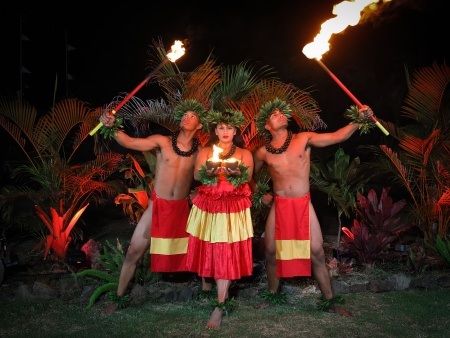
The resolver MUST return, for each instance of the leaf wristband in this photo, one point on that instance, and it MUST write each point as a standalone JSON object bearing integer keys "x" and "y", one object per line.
{"x": 111, "y": 132}
{"x": 365, "y": 123}
{"x": 263, "y": 188}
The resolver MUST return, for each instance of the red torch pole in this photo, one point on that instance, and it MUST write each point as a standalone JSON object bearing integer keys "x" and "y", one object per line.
{"x": 345, "y": 89}
{"x": 131, "y": 94}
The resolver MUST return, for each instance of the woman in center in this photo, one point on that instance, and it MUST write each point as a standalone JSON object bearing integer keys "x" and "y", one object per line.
{"x": 219, "y": 224}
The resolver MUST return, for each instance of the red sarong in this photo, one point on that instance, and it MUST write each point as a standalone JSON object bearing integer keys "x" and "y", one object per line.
{"x": 292, "y": 236}
{"x": 168, "y": 236}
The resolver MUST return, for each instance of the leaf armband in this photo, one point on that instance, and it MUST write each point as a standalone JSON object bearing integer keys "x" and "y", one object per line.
{"x": 365, "y": 123}
{"x": 111, "y": 132}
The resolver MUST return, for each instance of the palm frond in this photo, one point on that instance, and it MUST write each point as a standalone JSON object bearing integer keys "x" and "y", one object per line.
{"x": 18, "y": 117}
{"x": 237, "y": 82}
{"x": 424, "y": 99}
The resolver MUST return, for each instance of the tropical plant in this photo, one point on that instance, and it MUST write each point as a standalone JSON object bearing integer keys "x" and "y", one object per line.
{"x": 111, "y": 262}
{"x": 379, "y": 225}
{"x": 419, "y": 158}
{"x": 442, "y": 247}
{"x": 140, "y": 184}
{"x": 383, "y": 214}
{"x": 61, "y": 186}
{"x": 341, "y": 179}
{"x": 416, "y": 262}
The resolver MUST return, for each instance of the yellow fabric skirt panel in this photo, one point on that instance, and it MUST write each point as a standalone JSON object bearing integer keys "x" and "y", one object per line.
{"x": 293, "y": 249}
{"x": 228, "y": 228}
{"x": 168, "y": 246}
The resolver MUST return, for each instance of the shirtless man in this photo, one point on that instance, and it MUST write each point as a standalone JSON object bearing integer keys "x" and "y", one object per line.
{"x": 168, "y": 209}
{"x": 293, "y": 238}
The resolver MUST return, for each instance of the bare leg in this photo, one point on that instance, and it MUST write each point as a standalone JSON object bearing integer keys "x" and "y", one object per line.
{"x": 138, "y": 246}
{"x": 222, "y": 295}
{"x": 319, "y": 269}
{"x": 270, "y": 254}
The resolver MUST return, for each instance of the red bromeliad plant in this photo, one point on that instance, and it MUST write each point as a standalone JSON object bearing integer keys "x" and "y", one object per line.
{"x": 55, "y": 176}
{"x": 379, "y": 225}
{"x": 58, "y": 238}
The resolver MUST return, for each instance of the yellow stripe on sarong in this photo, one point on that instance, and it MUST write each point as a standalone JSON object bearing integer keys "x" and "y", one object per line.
{"x": 168, "y": 246}
{"x": 293, "y": 249}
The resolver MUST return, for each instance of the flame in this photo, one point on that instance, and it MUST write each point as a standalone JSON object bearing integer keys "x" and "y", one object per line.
{"x": 348, "y": 13}
{"x": 177, "y": 51}
{"x": 216, "y": 152}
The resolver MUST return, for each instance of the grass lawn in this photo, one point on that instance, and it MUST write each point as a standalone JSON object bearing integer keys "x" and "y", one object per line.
{"x": 409, "y": 313}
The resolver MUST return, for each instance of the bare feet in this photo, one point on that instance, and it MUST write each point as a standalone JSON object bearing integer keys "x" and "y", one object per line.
{"x": 109, "y": 309}
{"x": 340, "y": 311}
{"x": 261, "y": 305}
{"x": 215, "y": 320}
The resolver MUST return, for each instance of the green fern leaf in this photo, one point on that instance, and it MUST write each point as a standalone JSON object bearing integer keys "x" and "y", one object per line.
{"x": 101, "y": 290}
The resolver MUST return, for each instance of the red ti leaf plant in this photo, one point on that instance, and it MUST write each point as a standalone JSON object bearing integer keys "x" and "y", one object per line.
{"x": 380, "y": 222}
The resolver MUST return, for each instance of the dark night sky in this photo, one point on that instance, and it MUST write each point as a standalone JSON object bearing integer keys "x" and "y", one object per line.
{"x": 112, "y": 42}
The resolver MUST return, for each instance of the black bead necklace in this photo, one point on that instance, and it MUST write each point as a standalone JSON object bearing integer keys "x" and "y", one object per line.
{"x": 230, "y": 153}
{"x": 283, "y": 147}
{"x": 180, "y": 152}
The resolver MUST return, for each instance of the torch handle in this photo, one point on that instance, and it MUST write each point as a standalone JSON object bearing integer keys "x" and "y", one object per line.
{"x": 349, "y": 93}
{"x": 131, "y": 94}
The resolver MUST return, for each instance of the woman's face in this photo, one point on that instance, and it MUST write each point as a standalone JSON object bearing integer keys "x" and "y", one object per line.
{"x": 225, "y": 132}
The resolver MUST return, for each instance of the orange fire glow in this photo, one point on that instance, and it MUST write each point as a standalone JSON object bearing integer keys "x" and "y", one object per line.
{"x": 177, "y": 51}
{"x": 348, "y": 13}
{"x": 216, "y": 151}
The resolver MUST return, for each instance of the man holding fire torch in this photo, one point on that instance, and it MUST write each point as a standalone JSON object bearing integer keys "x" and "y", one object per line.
{"x": 162, "y": 226}
{"x": 293, "y": 237}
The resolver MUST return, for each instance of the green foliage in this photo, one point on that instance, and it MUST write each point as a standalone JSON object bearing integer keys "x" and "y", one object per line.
{"x": 341, "y": 179}
{"x": 227, "y": 306}
{"x": 325, "y": 304}
{"x": 274, "y": 297}
{"x": 262, "y": 189}
{"x": 365, "y": 124}
{"x": 111, "y": 132}
{"x": 204, "y": 177}
{"x": 416, "y": 261}
{"x": 111, "y": 261}
{"x": 443, "y": 247}
{"x": 235, "y": 180}
{"x": 143, "y": 274}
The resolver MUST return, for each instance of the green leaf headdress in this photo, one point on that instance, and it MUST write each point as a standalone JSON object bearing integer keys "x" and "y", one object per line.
{"x": 267, "y": 109}
{"x": 185, "y": 105}
{"x": 233, "y": 117}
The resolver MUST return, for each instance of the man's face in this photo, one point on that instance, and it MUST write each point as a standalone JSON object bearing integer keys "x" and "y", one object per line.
{"x": 276, "y": 120}
{"x": 190, "y": 121}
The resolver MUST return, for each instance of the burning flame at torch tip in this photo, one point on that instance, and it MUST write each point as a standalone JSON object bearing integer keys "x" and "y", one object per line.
{"x": 348, "y": 13}
{"x": 177, "y": 51}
